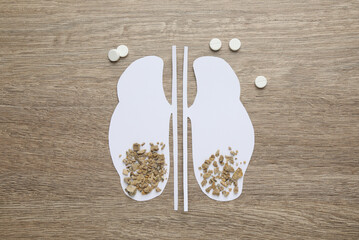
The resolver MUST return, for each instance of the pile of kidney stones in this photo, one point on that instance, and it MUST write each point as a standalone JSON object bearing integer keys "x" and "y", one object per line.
{"x": 219, "y": 175}
{"x": 144, "y": 169}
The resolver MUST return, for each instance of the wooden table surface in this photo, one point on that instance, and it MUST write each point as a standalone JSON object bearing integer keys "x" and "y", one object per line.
{"x": 58, "y": 92}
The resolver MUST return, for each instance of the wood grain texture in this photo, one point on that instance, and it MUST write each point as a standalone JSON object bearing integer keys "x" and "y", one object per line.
{"x": 58, "y": 92}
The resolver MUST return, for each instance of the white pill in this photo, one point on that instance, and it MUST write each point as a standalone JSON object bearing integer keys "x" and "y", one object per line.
{"x": 215, "y": 44}
{"x": 122, "y": 50}
{"x": 235, "y": 44}
{"x": 113, "y": 55}
{"x": 260, "y": 82}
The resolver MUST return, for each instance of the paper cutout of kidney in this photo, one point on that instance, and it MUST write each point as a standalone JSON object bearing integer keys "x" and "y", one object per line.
{"x": 219, "y": 119}
{"x": 142, "y": 115}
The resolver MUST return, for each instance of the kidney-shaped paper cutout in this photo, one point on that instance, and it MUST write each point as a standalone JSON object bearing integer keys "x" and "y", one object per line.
{"x": 142, "y": 115}
{"x": 219, "y": 120}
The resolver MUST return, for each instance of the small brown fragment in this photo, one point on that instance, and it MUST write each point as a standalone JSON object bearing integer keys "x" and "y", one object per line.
{"x": 204, "y": 166}
{"x": 215, "y": 164}
{"x": 158, "y": 189}
{"x": 216, "y": 170}
{"x": 125, "y": 172}
{"x": 235, "y": 190}
{"x": 216, "y": 192}
{"x": 131, "y": 190}
{"x": 221, "y": 159}
{"x": 229, "y": 158}
{"x": 237, "y": 174}
{"x": 147, "y": 189}
{"x": 212, "y": 180}
{"x": 212, "y": 157}
{"x": 154, "y": 148}
{"x": 163, "y": 146}
{"x": 136, "y": 147}
{"x": 199, "y": 168}
{"x": 244, "y": 162}
{"x": 225, "y": 193}
{"x": 120, "y": 156}
{"x": 141, "y": 151}
{"x": 135, "y": 166}
{"x": 208, "y": 189}
{"x": 229, "y": 148}
{"x": 127, "y": 180}
{"x": 217, "y": 153}
{"x": 228, "y": 168}
{"x": 224, "y": 183}
{"x": 143, "y": 144}
{"x": 204, "y": 182}
{"x": 206, "y": 175}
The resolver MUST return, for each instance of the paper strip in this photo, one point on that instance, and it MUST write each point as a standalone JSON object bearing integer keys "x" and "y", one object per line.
{"x": 174, "y": 126}
{"x": 185, "y": 106}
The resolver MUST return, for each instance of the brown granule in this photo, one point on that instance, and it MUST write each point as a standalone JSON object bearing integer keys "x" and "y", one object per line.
{"x": 216, "y": 192}
{"x": 221, "y": 159}
{"x": 237, "y": 174}
{"x": 204, "y": 182}
{"x": 206, "y": 175}
{"x": 131, "y": 190}
{"x": 217, "y": 153}
{"x": 136, "y": 147}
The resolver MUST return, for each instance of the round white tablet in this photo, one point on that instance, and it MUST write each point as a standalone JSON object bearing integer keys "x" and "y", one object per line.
{"x": 122, "y": 50}
{"x": 215, "y": 44}
{"x": 235, "y": 44}
{"x": 113, "y": 55}
{"x": 260, "y": 82}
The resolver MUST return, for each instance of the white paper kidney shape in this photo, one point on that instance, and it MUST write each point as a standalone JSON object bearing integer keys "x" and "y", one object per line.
{"x": 142, "y": 115}
{"x": 219, "y": 119}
